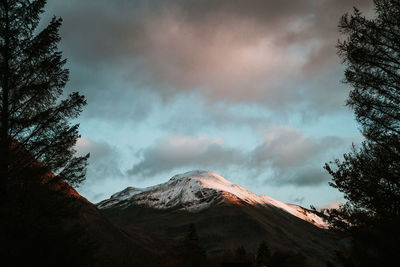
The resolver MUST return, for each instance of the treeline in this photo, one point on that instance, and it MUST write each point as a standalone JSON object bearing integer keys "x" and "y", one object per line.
{"x": 263, "y": 256}
{"x": 192, "y": 254}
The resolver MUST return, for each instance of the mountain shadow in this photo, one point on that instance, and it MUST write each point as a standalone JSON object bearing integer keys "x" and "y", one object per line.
{"x": 47, "y": 223}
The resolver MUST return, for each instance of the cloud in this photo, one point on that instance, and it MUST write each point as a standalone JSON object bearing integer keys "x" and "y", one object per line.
{"x": 220, "y": 116}
{"x": 284, "y": 146}
{"x": 284, "y": 157}
{"x": 103, "y": 161}
{"x": 177, "y": 151}
{"x": 263, "y": 52}
{"x": 104, "y": 175}
{"x": 293, "y": 157}
{"x": 234, "y": 66}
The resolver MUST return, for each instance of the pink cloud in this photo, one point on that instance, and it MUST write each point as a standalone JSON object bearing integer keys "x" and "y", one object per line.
{"x": 222, "y": 61}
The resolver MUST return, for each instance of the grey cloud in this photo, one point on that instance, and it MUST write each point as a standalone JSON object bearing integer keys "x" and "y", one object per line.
{"x": 103, "y": 171}
{"x": 264, "y": 52}
{"x": 192, "y": 152}
{"x": 309, "y": 175}
{"x": 284, "y": 147}
{"x": 292, "y": 158}
{"x": 220, "y": 116}
{"x": 103, "y": 161}
{"x": 109, "y": 96}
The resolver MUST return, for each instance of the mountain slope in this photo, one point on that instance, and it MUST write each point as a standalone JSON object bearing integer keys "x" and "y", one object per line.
{"x": 226, "y": 216}
{"x": 47, "y": 223}
{"x": 197, "y": 190}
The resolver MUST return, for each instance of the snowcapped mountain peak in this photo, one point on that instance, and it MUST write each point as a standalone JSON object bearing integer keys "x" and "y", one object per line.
{"x": 197, "y": 190}
{"x": 127, "y": 193}
{"x": 207, "y": 179}
{"x": 188, "y": 174}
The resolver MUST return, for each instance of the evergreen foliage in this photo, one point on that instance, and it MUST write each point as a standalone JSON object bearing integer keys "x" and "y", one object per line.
{"x": 263, "y": 254}
{"x": 194, "y": 253}
{"x": 369, "y": 175}
{"x": 241, "y": 254}
{"x": 282, "y": 258}
{"x": 33, "y": 119}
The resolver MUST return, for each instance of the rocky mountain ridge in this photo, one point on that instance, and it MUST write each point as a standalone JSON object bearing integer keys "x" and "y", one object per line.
{"x": 197, "y": 190}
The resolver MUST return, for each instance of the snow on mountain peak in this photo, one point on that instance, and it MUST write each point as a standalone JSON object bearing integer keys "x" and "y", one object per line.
{"x": 197, "y": 190}
{"x": 214, "y": 181}
{"x": 127, "y": 193}
{"x": 188, "y": 174}
{"x": 207, "y": 179}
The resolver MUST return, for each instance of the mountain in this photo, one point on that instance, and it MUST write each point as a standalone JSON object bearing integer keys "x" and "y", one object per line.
{"x": 197, "y": 190}
{"x": 226, "y": 215}
{"x": 45, "y": 222}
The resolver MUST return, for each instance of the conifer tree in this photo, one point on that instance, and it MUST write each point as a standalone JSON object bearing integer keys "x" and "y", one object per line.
{"x": 263, "y": 254}
{"x": 194, "y": 254}
{"x": 241, "y": 254}
{"x": 35, "y": 131}
{"x": 369, "y": 175}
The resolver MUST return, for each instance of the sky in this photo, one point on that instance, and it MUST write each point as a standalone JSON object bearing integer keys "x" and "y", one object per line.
{"x": 249, "y": 89}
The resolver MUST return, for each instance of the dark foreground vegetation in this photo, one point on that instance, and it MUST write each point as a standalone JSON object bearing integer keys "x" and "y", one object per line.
{"x": 369, "y": 175}
{"x": 51, "y": 225}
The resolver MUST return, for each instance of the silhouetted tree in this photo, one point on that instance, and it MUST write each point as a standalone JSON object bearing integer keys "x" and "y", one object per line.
{"x": 283, "y": 258}
{"x": 33, "y": 119}
{"x": 194, "y": 253}
{"x": 369, "y": 175}
{"x": 241, "y": 254}
{"x": 263, "y": 254}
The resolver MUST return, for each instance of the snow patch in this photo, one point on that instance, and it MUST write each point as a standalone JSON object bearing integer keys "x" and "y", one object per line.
{"x": 197, "y": 190}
